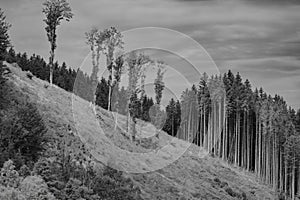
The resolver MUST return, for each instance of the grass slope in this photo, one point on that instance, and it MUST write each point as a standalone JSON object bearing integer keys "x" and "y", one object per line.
{"x": 164, "y": 167}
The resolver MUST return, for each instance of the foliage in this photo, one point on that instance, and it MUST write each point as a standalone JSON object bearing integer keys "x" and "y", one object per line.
{"x": 64, "y": 76}
{"x": 158, "y": 83}
{"x": 55, "y": 11}
{"x": 135, "y": 63}
{"x": 4, "y": 37}
{"x": 75, "y": 190}
{"x": 35, "y": 188}
{"x": 16, "y": 187}
{"x": 173, "y": 111}
{"x": 95, "y": 40}
{"x": 22, "y": 130}
{"x": 4, "y": 71}
{"x": 83, "y": 86}
{"x": 24, "y": 171}
{"x": 113, "y": 41}
{"x": 102, "y": 93}
{"x": 112, "y": 185}
{"x": 147, "y": 103}
{"x": 9, "y": 177}
{"x": 4, "y": 43}
{"x": 250, "y": 129}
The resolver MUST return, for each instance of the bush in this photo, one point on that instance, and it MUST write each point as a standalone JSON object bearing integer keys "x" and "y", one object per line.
{"x": 22, "y": 131}
{"x": 15, "y": 187}
{"x": 217, "y": 180}
{"x": 9, "y": 177}
{"x": 114, "y": 186}
{"x": 24, "y": 171}
{"x": 3, "y": 87}
{"x": 4, "y": 71}
{"x": 223, "y": 184}
{"x": 231, "y": 192}
{"x": 34, "y": 187}
{"x": 244, "y": 196}
{"x": 8, "y": 193}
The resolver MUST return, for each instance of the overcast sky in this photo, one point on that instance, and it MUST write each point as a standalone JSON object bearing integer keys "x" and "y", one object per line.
{"x": 260, "y": 39}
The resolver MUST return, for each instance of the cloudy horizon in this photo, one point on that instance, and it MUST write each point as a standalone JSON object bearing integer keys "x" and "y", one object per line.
{"x": 258, "y": 39}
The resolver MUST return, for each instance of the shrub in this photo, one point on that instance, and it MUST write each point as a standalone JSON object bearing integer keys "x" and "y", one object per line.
{"x": 217, "y": 180}
{"x": 15, "y": 187}
{"x": 244, "y": 196}
{"x": 4, "y": 71}
{"x": 24, "y": 171}
{"x": 223, "y": 184}
{"x": 231, "y": 192}
{"x": 35, "y": 188}
{"x": 113, "y": 185}
{"x": 8, "y": 193}
{"x": 9, "y": 177}
{"x": 22, "y": 133}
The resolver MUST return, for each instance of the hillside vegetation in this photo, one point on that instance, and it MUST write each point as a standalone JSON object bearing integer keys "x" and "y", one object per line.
{"x": 161, "y": 172}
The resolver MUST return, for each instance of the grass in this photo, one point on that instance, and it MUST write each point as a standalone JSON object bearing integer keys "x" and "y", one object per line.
{"x": 164, "y": 167}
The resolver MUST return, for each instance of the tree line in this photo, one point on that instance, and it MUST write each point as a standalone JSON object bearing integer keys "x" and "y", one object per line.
{"x": 244, "y": 127}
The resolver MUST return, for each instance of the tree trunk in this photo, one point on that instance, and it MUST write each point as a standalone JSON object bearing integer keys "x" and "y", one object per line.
{"x": 236, "y": 140}
{"x": 225, "y": 154}
{"x": 51, "y": 65}
{"x": 220, "y": 130}
{"x": 109, "y": 60}
{"x": 51, "y": 59}
{"x": 293, "y": 178}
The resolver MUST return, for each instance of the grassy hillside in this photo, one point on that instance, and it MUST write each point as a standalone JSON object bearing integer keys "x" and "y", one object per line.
{"x": 164, "y": 167}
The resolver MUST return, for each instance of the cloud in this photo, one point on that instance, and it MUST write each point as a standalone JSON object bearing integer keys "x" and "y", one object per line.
{"x": 272, "y": 67}
{"x": 247, "y": 35}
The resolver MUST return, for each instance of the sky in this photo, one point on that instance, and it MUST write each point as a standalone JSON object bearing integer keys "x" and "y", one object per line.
{"x": 259, "y": 39}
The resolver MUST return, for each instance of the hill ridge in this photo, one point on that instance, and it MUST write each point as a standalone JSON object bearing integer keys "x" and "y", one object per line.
{"x": 189, "y": 176}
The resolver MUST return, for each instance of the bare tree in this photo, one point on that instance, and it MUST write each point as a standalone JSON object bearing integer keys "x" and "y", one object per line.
{"x": 55, "y": 11}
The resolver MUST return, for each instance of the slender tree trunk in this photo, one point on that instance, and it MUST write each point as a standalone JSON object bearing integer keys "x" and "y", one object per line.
{"x": 259, "y": 148}
{"x": 220, "y": 142}
{"x": 209, "y": 133}
{"x": 51, "y": 59}
{"x": 249, "y": 141}
{"x": 236, "y": 140}
{"x": 256, "y": 144}
{"x": 109, "y": 60}
{"x": 285, "y": 175}
{"x": 204, "y": 128}
{"x": 275, "y": 163}
{"x": 281, "y": 170}
{"x": 245, "y": 144}
{"x": 51, "y": 65}
{"x": 225, "y": 156}
{"x": 293, "y": 178}
{"x": 298, "y": 191}
{"x": 201, "y": 127}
